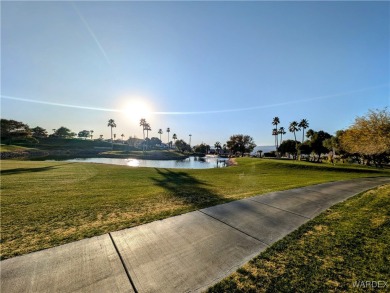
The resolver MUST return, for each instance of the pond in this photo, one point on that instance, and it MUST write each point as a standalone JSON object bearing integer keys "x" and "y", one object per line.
{"x": 189, "y": 163}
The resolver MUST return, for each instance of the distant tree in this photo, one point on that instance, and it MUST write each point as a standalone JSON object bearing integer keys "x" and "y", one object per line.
{"x": 305, "y": 148}
{"x": 275, "y": 122}
{"x": 182, "y": 146}
{"x": 64, "y": 132}
{"x": 142, "y": 123}
{"x": 201, "y": 148}
{"x": 294, "y": 127}
{"x": 122, "y": 135}
{"x": 281, "y": 132}
{"x": 275, "y": 134}
{"x": 259, "y": 152}
{"x": 160, "y": 131}
{"x": 111, "y": 123}
{"x": 154, "y": 141}
{"x": 190, "y": 139}
{"x": 12, "y": 129}
{"x": 101, "y": 136}
{"x": 39, "y": 132}
{"x": 240, "y": 143}
{"x": 84, "y": 134}
{"x": 303, "y": 125}
{"x": 147, "y": 128}
{"x": 217, "y": 146}
{"x": 333, "y": 144}
{"x": 289, "y": 147}
{"x": 91, "y": 132}
{"x": 369, "y": 136}
{"x": 316, "y": 142}
{"x": 168, "y": 131}
{"x": 114, "y": 136}
{"x": 174, "y": 137}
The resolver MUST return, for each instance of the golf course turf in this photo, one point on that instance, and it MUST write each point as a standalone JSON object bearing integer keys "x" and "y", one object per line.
{"x": 45, "y": 204}
{"x": 345, "y": 249}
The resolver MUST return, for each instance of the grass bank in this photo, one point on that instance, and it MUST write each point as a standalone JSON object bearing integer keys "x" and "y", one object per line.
{"x": 344, "y": 246}
{"x": 13, "y": 148}
{"x": 148, "y": 155}
{"x": 45, "y": 204}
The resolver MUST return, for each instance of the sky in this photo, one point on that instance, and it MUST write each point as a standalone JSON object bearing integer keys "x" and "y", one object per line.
{"x": 209, "y": 69}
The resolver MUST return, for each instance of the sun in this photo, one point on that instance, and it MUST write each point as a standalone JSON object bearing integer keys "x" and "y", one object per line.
{"x": 137, "y": 109}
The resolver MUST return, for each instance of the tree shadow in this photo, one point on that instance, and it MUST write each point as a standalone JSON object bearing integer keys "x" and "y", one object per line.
{"x": 28, "y": 170}
{"x": 188, "y": 188}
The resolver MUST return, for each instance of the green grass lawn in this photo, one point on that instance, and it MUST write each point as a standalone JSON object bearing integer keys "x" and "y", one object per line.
{"x": 45, "y": 204}
{"x": 348, "y": 243}
{"x": 13, "y": 148}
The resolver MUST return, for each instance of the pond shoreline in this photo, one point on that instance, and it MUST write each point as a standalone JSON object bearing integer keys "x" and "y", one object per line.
{"x": 39, "y": 155}
{"x": 192, "y": 162}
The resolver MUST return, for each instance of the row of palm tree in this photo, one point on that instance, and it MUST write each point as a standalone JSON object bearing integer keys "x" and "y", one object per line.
{"x": 293, "y": 127}
{"x": 145, "y": 127}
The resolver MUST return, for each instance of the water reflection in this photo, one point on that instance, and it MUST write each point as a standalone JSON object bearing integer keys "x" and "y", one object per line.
{"x": 189, "y": 163}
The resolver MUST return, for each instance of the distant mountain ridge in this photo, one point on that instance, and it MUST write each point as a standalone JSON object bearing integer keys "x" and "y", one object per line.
{"x": 264, "y": 148}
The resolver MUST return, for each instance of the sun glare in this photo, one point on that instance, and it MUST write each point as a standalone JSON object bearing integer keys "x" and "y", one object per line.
{"x": 137, "y": 109}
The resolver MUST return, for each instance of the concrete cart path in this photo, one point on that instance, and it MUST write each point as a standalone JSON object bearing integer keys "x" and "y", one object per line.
{"x": 185, "y": 253}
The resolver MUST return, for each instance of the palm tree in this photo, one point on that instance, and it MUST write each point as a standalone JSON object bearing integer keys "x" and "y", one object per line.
{"x": 275, "y": 122}
{"x": 275, "y": 133}
{"x": 147, "y": 128}
{"x": 91, "y": 132}
{"x": 114, "y": 136}
{"x": 111, "y": 123}
{"x": 142, "y": 123}
{"x": 160, "y": 132}
{"x": 174, "y": 137}
{"x": 217, "y": 146}
{"x": 168, "y": 131}
{"x": 281, "y": 132}
{"x": 122, "y": 135}
{"x": 190, "y": 139}
{"x": 294, "y": 127}
{"x": 101, "y": 136}
{"x": 303, "y": 124}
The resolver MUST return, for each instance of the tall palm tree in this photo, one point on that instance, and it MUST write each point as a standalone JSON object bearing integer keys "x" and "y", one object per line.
{"x": 275, "y": 122}
{"x": 168, "y": 131}
{"x": 142, "y": 123}
{"x": 147, "y": 128}
{"x": 275, "y": 134}
{"x": 122, "y": 135}
{"x": 217, "y": 146}
{"x": 160, "y": 132}
{"x": 111, "y": 123}
{"x": 303, "y": 124}
{"x": 190, "y": 139}
{"x": 281, "y": 132}
{"x": 91, "y": 133}
{"x": 294, "y": 127}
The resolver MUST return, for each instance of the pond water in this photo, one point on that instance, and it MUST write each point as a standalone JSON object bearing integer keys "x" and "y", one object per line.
{"x": 189, "y": 163}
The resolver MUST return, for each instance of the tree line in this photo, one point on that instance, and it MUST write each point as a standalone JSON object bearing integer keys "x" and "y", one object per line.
{"x": 366, "y": 141}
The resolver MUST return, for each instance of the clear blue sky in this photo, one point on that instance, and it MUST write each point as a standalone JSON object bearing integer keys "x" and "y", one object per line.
{"x": 327, "y": 62}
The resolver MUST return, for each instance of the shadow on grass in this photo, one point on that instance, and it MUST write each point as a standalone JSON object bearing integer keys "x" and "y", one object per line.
{"x": 28, "y": 170}
{"x": 188, "y": 188}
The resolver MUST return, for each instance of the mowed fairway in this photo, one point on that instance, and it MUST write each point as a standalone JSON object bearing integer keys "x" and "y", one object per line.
{"x": 45, "y": 204}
